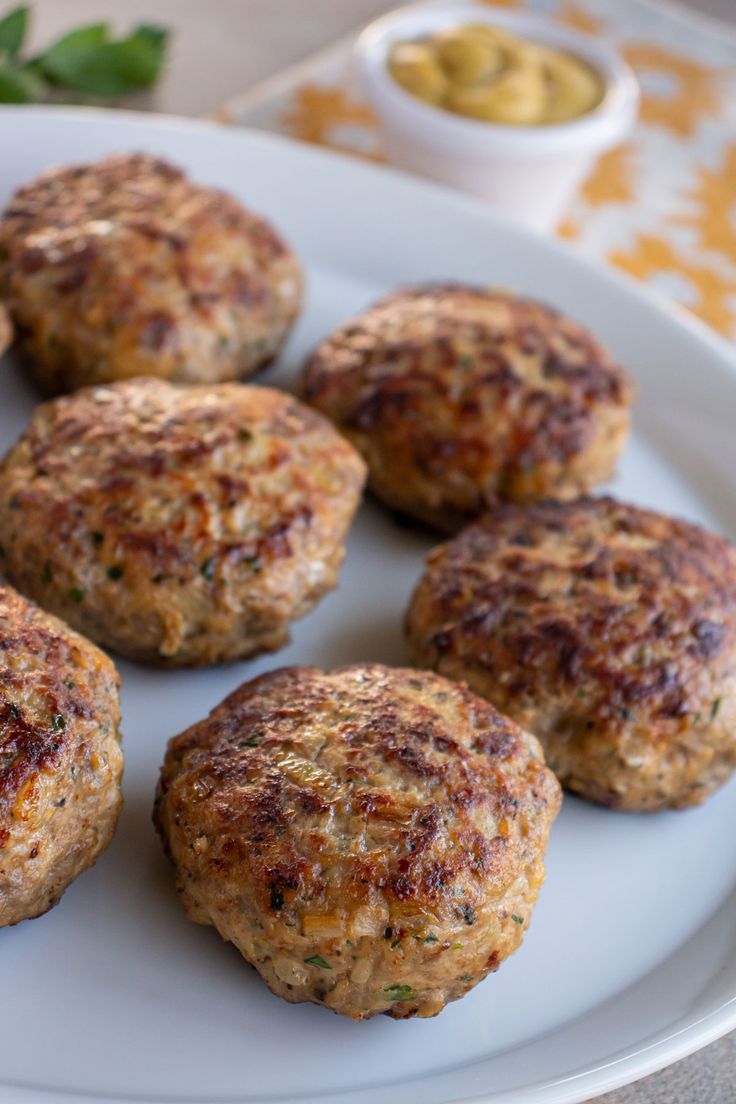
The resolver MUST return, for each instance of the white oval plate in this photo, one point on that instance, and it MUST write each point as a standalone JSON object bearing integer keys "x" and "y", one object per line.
{"x": 629, "y": 963}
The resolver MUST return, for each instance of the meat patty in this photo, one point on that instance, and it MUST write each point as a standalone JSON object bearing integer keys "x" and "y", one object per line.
{"x": 607, "y": 630}
{"x": 6, "y": 330}
{"x": 370, "y": 839}
{"x": 60, "y": 757}
{"x": 125, "y": 268}
{"x": 178, "y": 525}
{"x": 461, "y": 396}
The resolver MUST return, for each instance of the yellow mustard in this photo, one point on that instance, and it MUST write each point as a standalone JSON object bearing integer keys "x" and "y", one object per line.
{"x": 486, "y": 73}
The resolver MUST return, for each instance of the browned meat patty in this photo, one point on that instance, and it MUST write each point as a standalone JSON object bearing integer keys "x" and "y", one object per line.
{"x": 371, "y": 839}
{"x": 6, "y": 330}
{"x": 60, "y": 757}
{"x": 126, "y": 268}
{"x": 607, "y": 630}
{"x": 460, "y": 396}
{"x": 178, "y": 525}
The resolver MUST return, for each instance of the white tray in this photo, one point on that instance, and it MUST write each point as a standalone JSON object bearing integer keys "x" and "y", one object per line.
{"x": 630, "y": 962}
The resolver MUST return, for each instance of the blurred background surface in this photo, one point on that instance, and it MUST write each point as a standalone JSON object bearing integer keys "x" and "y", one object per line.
{"x": 222, "y": 46}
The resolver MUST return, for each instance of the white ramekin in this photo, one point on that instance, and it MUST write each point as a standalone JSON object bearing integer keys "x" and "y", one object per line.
{"x": 531, "y": 173}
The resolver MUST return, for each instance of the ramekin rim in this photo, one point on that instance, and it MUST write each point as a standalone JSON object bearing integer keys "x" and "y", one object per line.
{"x": 600, "y": 126}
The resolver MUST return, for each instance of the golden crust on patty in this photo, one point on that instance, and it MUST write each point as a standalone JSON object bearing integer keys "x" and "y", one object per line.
{"x": 60, "y": 758}
{"x": 178, "y": 525}
{"x": 458, "y": 397}
{"x": 126, "y": 268}
{"x": 607, "y": 630}
{"x": 370, "y": 839}
{"x": 6, "y": 330}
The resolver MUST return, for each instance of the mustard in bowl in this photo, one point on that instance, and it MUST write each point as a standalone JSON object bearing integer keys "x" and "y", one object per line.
{"x": 484, "y": 72}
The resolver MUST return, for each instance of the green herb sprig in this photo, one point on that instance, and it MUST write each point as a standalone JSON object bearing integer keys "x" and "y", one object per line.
{"x": 89, "y": 62}
{"x": 319, "y": 961}
{"x": 399, "y": 992}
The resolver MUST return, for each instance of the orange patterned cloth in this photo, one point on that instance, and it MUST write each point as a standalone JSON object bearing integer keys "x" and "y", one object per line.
{"x": 662, "y": 207}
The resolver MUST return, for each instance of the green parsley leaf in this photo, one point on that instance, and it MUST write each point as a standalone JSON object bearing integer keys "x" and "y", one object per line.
{"x": 89, "y": 61}
{"x": 60, "y": 60}
{"x": 517, "y": 919}
{"x": 400, "y": 992}
{"x": 13, "y": 29}
{"x": 714, "y": 708}
{"x": 75, "y": 43}
{"x": 318, "y": 960}
{"x": 76, "y": 594}
{"x": 59, "y": 723}
{"x": 19, "y": 85}
{"x": 252, "y": 741}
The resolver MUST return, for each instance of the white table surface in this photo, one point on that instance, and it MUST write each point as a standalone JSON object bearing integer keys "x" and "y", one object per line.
{"x": 220, "y": 48}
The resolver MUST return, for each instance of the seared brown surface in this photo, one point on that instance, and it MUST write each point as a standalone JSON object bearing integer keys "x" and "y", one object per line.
{"x": 60, "y": 758}
{"x": 607, "y": 630}
{"x": 178, "y": 525}
{"x": 460, "y": 396}
{"x": 124, "y": 268}
{"x": 6, "y": 330}
{"x": 370, "y": 839}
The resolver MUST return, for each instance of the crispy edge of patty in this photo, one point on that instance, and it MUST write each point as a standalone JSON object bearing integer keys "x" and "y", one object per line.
{"x": 207, "y": 587}
{"x": 60, "y": 757}
{"x": 625, "y": 667}
{"x": 444, "y": 470}
{"x": 57, "y": 226}
{"x": 249, "y": 798}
